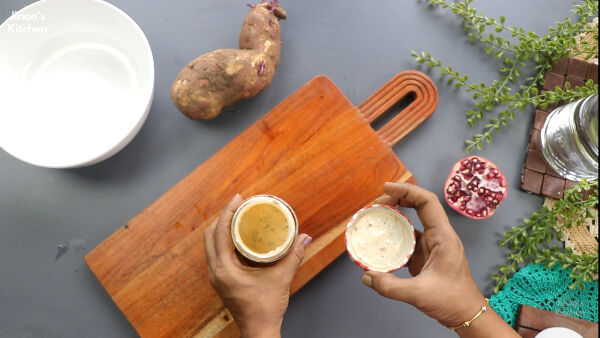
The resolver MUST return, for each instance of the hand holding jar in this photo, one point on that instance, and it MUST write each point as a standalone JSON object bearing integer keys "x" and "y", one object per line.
{"x": 442, "y": 286}
{"x": 256, "y": 296}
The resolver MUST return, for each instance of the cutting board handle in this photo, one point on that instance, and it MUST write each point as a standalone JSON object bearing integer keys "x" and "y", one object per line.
{"x": 400, "y": 86}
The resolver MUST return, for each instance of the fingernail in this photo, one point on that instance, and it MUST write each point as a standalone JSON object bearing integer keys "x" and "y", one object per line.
{"x": 367, "y": 280}
{"x": 307, "y": 241}
{"x": 236, "y": 197}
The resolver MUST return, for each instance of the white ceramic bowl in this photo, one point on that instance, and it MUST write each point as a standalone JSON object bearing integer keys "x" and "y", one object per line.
{"x": 76, "y": 82}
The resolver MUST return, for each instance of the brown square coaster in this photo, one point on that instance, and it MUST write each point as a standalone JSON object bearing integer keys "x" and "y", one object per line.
{"x": 577, "y": 68}
{"x": 530, "y": 321}
{"x": 574, "y": 81}
{"x": 569, "y": 184}
{"x": 532, "y": 181}
{"x": 538, "y": 177}
{"x": 550, "y": 171}
{"x": 536, "y": 140}
{"x": 592, "y": 72}
{"x": 540, "y": 118}
{"x": 552, "y": 80}
{"x": 535, "y": 161}
{"x": 553, "y": 186}
{"x": 560, "y": 67}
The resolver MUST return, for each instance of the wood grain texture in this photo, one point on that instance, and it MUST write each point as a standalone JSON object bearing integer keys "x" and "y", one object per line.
{"x": 531, "y": 319}
{"x": 401, "y": 85}
{"x": 314, "y": 150}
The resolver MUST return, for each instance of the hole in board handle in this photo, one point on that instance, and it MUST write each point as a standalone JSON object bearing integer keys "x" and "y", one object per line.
{"x": 394, "y": 110}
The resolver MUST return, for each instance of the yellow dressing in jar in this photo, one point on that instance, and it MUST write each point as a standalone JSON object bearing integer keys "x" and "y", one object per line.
{"x": 263, "y": 228}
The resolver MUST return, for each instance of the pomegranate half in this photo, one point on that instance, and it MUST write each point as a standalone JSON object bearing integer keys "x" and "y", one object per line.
{"x": 475, "y": 187}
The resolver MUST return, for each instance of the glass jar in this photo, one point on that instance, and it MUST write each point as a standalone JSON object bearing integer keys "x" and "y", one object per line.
{"x": 570, "y": 139}
{"x": 264, "y": 228}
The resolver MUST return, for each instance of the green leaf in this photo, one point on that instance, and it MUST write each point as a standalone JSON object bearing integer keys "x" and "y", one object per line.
{"x": 543, "y": 50}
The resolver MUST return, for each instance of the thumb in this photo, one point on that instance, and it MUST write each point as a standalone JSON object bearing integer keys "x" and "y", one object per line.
{"x": 390, "y": 286}
{"x": 294, "y": 258}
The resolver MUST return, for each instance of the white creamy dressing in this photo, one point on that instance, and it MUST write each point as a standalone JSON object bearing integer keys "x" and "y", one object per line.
{"x": 381, "y": 238}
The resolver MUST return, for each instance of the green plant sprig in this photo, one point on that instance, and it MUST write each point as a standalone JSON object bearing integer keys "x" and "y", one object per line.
{"x": 544, "y": 50}
{"x": 567, "y": 94}
{"x": 529, "y": 242}
{"x": 558, "y": 96}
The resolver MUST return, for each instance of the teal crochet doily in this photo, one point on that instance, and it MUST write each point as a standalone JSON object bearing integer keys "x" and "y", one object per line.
{"x": 547, "y": 289}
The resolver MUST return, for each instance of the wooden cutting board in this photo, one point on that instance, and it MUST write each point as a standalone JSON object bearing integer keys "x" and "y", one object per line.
{"x": 315, "y": 150}
{"x": 531, "y": 320}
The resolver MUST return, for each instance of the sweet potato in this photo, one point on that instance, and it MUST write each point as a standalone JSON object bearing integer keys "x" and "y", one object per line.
{"x": 222, "y": 77}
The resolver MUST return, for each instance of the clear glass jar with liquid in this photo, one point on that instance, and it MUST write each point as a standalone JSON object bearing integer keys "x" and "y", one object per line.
{"x": 570, "y": 139}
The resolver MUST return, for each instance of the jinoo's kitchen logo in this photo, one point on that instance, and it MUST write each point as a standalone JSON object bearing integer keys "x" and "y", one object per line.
{"x": 27, "y": 23}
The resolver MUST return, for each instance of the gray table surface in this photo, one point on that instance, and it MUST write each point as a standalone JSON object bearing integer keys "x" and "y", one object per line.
{"x": 359, "y": 45}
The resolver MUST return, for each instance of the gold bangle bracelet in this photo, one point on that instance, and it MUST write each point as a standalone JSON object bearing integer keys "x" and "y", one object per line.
{"x": 468, "y": 322}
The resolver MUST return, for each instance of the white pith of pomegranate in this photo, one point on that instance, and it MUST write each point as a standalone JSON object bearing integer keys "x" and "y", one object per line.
{"x": 475, "y": 187}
